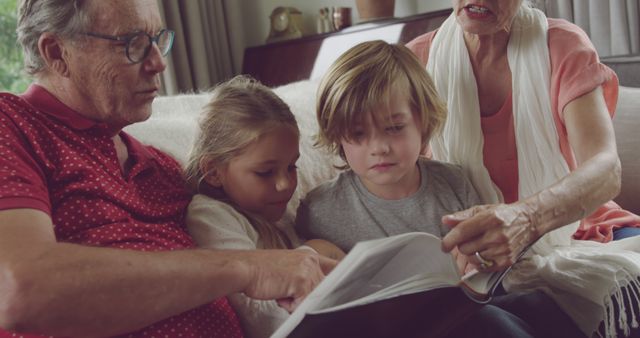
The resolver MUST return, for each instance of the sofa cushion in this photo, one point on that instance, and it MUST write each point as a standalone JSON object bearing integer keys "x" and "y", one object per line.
{"x": 172, "y": 126}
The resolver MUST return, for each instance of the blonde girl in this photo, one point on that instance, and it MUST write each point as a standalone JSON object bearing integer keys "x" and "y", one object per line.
{"x": 243, "y": 169}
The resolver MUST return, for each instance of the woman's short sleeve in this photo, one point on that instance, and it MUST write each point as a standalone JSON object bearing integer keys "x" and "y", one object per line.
{"x": 575, "y": 67}
{"x": 420, "y": 46}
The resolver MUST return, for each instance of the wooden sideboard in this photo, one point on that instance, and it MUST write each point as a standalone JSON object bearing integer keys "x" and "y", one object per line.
{"x": 283, "y": 62}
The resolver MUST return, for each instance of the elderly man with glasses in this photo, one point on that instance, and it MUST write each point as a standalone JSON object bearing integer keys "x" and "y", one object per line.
{"x": 92, "y": 234}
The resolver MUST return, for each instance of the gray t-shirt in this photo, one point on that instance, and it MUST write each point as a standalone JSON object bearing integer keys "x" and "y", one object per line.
{"x": 344, "y": 212}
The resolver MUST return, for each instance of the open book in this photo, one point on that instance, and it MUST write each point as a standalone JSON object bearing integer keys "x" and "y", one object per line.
{"x": 387, "y": 285}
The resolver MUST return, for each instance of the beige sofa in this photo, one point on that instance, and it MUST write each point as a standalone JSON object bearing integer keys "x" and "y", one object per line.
{"x": 173, "y": 124}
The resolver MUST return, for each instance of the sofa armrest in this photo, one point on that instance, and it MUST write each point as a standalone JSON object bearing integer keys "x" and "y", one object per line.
{"x": 626, "y": 67}
{"x": 626, "y": 123}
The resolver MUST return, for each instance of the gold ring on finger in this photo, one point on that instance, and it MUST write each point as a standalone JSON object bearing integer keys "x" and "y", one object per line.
{"x": 484, "y": 263}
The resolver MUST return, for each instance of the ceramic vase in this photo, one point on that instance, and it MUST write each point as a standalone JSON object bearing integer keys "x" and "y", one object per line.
{"x": 369, "y": 10}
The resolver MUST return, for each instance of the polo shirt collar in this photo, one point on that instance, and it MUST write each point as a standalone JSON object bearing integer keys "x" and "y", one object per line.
{"x": 45, "y": 102}
{"x": 136, "y": 149}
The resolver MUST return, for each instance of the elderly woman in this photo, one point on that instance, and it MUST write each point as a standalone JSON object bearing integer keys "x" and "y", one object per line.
{"x": 530, "y": 107}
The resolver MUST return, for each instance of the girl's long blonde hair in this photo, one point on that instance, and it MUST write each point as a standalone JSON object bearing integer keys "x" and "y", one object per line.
{"x": 239, "y": 112}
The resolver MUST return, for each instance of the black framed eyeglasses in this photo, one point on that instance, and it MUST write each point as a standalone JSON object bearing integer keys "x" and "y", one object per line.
{"x": 138, "y": 45}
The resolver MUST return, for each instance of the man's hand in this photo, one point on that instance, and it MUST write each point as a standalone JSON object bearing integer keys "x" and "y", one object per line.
{"x": 286, "y": 275}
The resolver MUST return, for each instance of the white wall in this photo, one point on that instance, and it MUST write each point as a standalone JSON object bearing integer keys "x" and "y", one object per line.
{"x": 248, "y": 20}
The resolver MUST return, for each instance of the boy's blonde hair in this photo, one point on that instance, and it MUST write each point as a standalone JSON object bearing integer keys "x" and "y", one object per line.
{"x": 361, "y": 80}
{"x": 239, "y": 112}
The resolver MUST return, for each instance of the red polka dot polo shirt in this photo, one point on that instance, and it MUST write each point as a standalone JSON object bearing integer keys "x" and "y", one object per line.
{"x": 54, "y": 160}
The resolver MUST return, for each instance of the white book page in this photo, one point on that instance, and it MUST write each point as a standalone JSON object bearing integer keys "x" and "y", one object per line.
{"x": 354, "y": 285}
{"x": 375, "y": 265}
{"x": 480, "y": 286}
{"x": 414, "y": 284}
{"x": 420, "y": 256}
{"x": 334, "y": 285}
{"x": 478, "y": 281}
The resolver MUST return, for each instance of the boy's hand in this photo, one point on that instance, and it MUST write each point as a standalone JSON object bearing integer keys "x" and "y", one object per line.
{"x": 326, "y": 248}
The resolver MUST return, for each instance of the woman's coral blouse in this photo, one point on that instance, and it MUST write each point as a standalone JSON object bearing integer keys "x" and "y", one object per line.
{"x": 575, "y": 71}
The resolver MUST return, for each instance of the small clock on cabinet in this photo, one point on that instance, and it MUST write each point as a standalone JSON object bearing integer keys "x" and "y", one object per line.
{"x": 286, "y": 23}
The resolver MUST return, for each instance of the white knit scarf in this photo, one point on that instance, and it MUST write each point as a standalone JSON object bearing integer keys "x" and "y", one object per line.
{"x": 589, "y": 280}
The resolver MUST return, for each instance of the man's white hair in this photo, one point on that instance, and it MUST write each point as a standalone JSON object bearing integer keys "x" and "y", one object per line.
{"x": 65, "y": 18}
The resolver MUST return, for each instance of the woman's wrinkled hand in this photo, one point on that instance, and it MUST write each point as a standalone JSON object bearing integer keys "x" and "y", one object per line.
{"x": 462, "y": 262}
{"x": 498, "y": 233}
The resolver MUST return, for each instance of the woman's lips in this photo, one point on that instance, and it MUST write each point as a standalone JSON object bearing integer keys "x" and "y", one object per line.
{"x": 477, "y": 12}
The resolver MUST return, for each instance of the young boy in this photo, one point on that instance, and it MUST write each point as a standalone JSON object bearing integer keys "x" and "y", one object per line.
{"x": 377, "y": 108}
